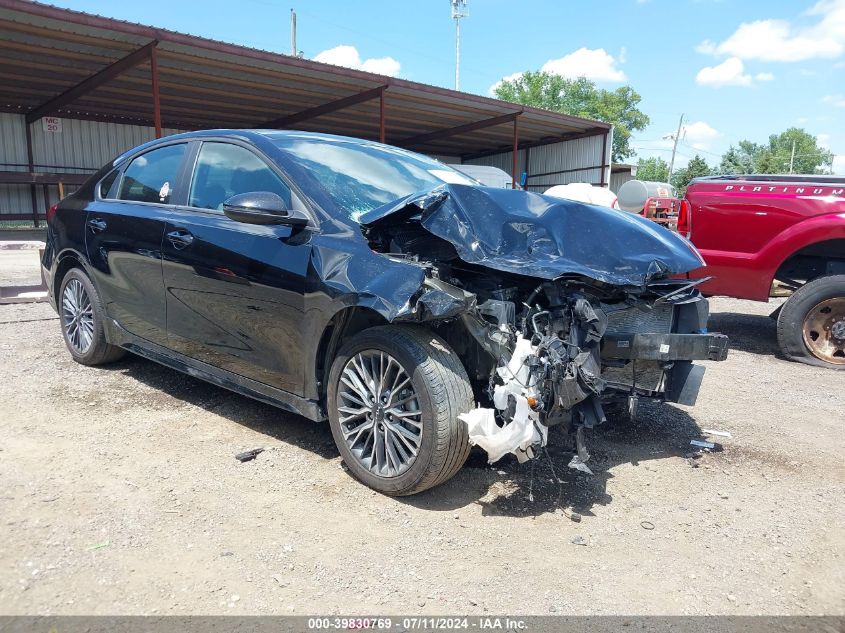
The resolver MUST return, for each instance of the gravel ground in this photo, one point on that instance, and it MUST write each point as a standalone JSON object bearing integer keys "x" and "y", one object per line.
{"x": 20, "y": 267}
{"x": 120, "y": 494}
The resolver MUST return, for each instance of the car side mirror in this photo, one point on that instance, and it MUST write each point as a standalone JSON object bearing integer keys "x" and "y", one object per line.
{"x": 262, "y": 207}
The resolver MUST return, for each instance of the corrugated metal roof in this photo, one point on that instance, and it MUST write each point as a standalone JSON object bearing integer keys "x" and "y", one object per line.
{"x": 45, "y": 50}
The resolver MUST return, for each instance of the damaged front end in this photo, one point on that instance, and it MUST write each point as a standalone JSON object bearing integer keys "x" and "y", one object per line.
{"x": 557, "y": 309}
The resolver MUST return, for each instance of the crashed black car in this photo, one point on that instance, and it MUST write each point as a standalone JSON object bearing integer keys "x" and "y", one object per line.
{"x": 343, "y": 279}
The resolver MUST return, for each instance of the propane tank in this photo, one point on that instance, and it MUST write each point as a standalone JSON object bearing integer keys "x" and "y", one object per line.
{"x": 633, "y": 194}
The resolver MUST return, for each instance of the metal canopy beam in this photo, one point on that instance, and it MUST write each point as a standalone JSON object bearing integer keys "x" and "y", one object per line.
{"x": 460, "y": 129}
{"x": 91, "y": 83}
{"x": 319, "y": 110}
{"x": 572, "y": 136}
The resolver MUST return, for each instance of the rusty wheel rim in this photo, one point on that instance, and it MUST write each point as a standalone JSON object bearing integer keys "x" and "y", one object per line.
{"x": 824, "y": 331}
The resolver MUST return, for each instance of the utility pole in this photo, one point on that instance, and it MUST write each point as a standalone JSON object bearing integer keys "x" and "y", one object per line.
{"x": 675, "y": 147}
{"x": 792, "y": 158}
{"x": 293, "y": 51}
{"x": 459, "y": 10}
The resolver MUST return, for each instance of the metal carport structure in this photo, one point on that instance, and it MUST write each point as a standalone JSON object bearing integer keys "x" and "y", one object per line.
{"x": 56, "y": 62}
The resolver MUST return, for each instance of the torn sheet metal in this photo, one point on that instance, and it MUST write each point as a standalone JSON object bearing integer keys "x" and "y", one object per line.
{"x": 399, "y": 292}
{"x": 522, "y": 431}
{"x": 544, "y": 237}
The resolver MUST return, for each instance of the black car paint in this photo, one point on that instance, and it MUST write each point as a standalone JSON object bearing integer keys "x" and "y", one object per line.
{"x": 290, "y": 283}
{"x": 247, "y": 307}
{"x": 539, "y": 236}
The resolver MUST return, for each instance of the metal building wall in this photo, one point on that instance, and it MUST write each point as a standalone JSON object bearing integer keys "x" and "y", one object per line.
{"x": 13, "y": 198}
{"x": 578, "y": 160}
{"x": 619, "y": 178}
{"x": 81, "y": 147}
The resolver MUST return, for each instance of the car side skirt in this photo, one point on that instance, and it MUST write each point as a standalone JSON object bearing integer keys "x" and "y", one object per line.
{"x": 239, "y": 384}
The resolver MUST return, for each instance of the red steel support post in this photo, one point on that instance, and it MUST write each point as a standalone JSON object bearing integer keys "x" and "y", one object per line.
{"x": 515, "y": 152}
{"x": 604, "y": 159}
{"x": 381, "y": 117}
{"x": 156, "y": 97}
{"x": 31, "y": 165}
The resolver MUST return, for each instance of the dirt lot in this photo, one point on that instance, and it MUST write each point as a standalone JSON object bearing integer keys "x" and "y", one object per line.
{"x": 119, "y": 493}
{"x": 20, "y": 267}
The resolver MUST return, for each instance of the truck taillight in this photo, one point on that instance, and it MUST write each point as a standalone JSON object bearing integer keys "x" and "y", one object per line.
{"x": 51, "y": 213}
{"x": 685, "y": 219}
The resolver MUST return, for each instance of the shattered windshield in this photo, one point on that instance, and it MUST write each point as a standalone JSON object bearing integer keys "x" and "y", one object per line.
{"x": 361, "y": 176}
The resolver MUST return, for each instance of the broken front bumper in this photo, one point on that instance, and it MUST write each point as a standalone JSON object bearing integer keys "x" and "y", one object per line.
{"x": 665, "y": 347}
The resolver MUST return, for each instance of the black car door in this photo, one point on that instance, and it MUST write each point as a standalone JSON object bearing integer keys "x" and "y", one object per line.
{"x": 124, "y": 229}
{"x": 235, "y": 291}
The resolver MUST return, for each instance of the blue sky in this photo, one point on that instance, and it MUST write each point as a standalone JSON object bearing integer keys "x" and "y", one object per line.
{"x": 735, "y": 68}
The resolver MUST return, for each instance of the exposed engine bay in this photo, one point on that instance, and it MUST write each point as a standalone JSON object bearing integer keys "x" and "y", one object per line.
{"x": 544, "y": 351}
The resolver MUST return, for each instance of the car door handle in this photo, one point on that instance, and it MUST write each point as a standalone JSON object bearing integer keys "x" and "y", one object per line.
{"x": 97, "y": 225}
{"x": 180, "y": 238}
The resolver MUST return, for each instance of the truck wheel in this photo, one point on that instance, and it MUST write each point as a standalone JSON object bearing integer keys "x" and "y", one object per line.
{"x": 394, "y": 396}
{"x": 811, "y": 324}
{"x": 81, "y": 315}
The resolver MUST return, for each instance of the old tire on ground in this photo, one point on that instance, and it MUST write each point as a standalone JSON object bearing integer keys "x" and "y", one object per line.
{"x": 81, "y": 316}
{"x": 394, "y": 396}
{"x": 811, "y": 324}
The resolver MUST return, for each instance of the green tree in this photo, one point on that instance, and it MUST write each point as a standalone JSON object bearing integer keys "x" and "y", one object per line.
{"x": 654, "y": 169}
{"x": 580, "y": 97}
{"x": 682, "y": 177}
{"x": 775, "y": 156}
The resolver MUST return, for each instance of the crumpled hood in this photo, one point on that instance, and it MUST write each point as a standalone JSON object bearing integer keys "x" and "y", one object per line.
{"x": 541, "y": 236}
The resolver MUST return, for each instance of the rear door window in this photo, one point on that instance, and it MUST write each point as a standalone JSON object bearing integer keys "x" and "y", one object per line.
{"x": 151, "y": 177}
{"x": 224, "y": 170}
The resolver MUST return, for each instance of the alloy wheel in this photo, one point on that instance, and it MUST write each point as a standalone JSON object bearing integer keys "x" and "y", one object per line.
{"x": 77, "y": 316}
{"x": 379, "y": 413}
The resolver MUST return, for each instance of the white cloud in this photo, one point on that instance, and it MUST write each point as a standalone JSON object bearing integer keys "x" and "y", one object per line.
{"x": 730, "y": 72}
{"x": 348, "y": 57}
{"x": 823, "y": 140}
{"x": 835, "y": 100}
{"x": 596, "y": 64}
{"x": 699, "y": 134}
{"x": 782, "y": 41}
{"x": 764, "y": 76}
{"x": 492, "y": 89}
{"x": 839, "y": 164}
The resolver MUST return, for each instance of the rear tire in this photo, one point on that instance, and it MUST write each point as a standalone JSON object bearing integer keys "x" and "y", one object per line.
{"x": 432, "y": 444}
{"x": 82, "y": 317}
{"x": 811, "y": 324}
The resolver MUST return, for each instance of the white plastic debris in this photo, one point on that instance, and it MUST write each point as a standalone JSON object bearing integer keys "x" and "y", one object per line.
{"x": 702, "y": 444}
{"x": 578, "y": 464}
{"x": 718, "y": 433}
{"x": 525, "y": 429}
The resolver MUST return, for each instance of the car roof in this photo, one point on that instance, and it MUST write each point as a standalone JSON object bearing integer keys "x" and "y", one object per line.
{"x": 245, "y": 134}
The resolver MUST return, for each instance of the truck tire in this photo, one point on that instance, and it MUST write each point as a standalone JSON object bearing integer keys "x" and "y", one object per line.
{"x": 811, "y": 324}
{"x": 394, "y": 396}
{"x": 82, "y": 316}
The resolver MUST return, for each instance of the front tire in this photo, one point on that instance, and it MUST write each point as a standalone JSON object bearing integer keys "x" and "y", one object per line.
{"x": 394, "y": 396}
{"x": 811, "y": 324}
{"x": 81, "y": 315}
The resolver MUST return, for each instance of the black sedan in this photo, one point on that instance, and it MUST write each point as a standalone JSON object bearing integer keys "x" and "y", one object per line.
{"x": 344, "y": 279}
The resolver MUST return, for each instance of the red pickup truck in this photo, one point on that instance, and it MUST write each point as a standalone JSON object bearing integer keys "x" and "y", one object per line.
{"x": 754, "y": 230}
